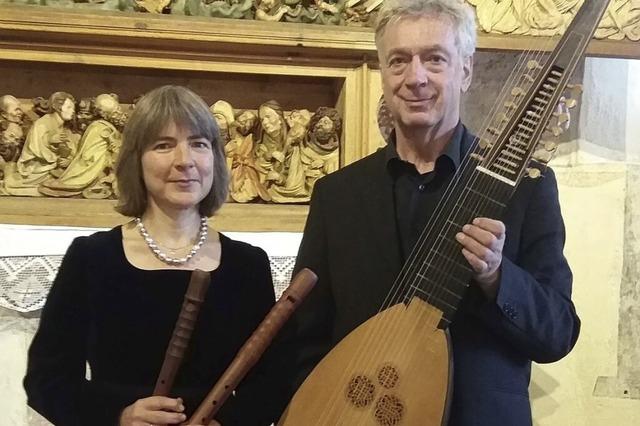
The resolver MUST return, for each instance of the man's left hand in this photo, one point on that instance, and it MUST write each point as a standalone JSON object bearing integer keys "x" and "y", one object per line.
{"x": 482, "y": 242}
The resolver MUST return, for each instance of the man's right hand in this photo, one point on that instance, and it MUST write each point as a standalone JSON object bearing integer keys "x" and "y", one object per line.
{"x": 154, "y": 410}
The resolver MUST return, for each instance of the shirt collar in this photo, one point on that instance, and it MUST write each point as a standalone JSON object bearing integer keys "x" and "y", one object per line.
{"x": 453, "y": 150}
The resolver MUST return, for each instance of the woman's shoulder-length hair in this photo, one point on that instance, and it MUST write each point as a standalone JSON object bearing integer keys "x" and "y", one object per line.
{"x": 153, "y": 112}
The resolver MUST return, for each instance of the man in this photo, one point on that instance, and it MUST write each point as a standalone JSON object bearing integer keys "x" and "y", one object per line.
{"x": 365, "y": 218}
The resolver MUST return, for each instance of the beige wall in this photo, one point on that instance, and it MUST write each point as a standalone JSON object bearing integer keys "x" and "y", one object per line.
{"x": 597, "y": 189}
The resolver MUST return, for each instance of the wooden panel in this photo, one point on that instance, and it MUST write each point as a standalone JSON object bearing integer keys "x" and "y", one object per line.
{"x": 137, "y": 34}
{"x": 101, "y": 213}
{"x": 25, "y": 79}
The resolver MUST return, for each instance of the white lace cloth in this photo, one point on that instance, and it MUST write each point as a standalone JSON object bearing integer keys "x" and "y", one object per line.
{"x": 25, "y": 280}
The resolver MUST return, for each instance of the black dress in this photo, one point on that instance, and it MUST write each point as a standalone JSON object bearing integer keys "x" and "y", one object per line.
{"x": 119, "y": 319}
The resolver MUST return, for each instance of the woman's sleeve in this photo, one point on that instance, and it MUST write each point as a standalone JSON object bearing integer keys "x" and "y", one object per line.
{"x": 56, "y": 360}
{"x": 256, "y": 401}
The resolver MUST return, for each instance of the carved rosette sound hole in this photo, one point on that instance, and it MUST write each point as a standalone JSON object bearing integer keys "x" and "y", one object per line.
{"x": 388, "y": 376}
{"x": 389, "y": 410}
{"x": 360, "y": 391}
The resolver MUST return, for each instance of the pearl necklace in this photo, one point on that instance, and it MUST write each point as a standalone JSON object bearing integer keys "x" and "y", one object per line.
{"x": 163, "y": 257}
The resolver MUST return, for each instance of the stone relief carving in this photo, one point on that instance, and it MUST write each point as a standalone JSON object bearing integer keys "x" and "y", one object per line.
{"x": 551, "y": 17}
{"x": 522, "y": 17}
{"x": 90, "y": 172}
{"x": 70, "y": 148}
{"x": 48, "y": 149}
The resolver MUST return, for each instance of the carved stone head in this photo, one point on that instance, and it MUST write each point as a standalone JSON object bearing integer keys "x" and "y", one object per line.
{"x": 272, "y": 119}
{"x": 11, "y": 134}
{"x": 10, "y": 109}
{"x": 246, "y": 121}
{"x": 223, "y": 113}
{"x": 326, "y": 127}
{"x": 64, "y": 104}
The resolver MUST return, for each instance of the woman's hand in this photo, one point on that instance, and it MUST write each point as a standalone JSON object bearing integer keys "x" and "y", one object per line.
{"x": 152, "y": 411}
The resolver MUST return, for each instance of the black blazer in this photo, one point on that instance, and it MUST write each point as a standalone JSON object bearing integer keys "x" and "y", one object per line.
{"x": 350, "y": 241}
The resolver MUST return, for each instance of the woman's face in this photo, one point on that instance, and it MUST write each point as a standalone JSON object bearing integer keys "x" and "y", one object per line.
{"x": 271, "y": 122}
{"x": 177, "y": 168}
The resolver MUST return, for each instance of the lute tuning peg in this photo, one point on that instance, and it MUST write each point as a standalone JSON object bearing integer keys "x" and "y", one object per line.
{"x": 510, "y": 105}
{"x": 517, "y": 91}
{"x": 533, "y": 172}
{"x": 484, "y": 144}
{"x": 534, "y": 65}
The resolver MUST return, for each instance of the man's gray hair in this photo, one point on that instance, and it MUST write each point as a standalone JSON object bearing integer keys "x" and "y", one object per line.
{"x": 460, "y": 14}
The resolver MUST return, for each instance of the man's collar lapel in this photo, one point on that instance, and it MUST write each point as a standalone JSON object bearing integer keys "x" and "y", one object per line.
{"x": 378, "y": 199}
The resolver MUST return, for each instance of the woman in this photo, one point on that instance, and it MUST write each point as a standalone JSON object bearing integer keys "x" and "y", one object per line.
{"x": 118, "y": 293}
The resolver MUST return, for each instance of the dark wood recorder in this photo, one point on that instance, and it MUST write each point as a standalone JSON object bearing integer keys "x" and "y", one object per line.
{"x": 254, "y": 347}
{"x": 193, "y": 298}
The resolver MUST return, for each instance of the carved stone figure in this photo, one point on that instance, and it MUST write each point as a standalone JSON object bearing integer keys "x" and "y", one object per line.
{"x": 320, "y": 155}
{"x": 11, "y": 138}
{"x": 245, "y": 178}
{"x": 237, "y": 9}
{"x": 48, "y": 149}
{"x": 552, "y": 17}
{"x": 90, "y": 172}
{"x": 10, "y": 109}
{"x": 270, "y": 149}
{"x": 329, "y": 12}
{"x": 152, "y": 6}
{"x": 540, "y": 17}
{"x": 385, "y": 119}
{"x": 274, "y": 10}
{"x": 621, "y": 20}
{"x": 223, "y": 113}
{"x": 294, "y": 189}
{"x": 85, "y": 113}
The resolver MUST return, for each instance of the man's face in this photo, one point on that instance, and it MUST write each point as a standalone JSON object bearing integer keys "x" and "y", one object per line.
{"x": 12, "y": 111}
{"x": 423, "y": 74}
